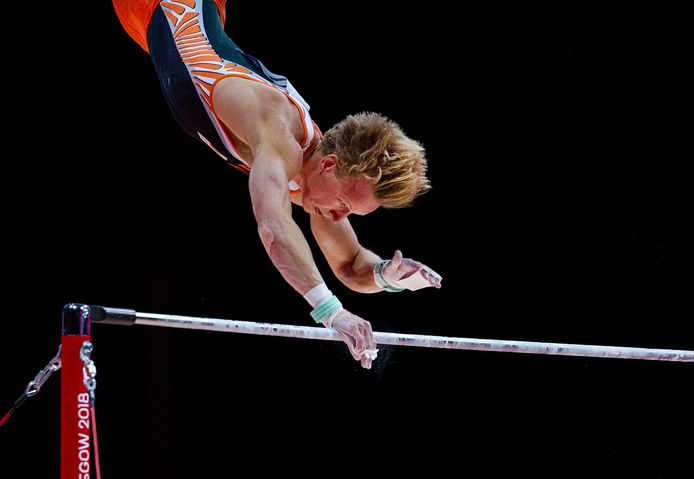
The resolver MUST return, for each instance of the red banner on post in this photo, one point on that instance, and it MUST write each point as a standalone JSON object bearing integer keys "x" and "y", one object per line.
{"x": 75, "y": 449}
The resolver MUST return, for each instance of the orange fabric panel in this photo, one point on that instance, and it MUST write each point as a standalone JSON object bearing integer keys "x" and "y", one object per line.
{"x": 135, "y": 15}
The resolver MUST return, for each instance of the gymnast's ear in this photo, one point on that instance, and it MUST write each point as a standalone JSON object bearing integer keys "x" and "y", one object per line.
{"x": 328, "y": 162}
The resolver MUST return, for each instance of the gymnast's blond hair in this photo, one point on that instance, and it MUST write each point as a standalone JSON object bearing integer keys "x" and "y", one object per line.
{"x": 370, "y": 145}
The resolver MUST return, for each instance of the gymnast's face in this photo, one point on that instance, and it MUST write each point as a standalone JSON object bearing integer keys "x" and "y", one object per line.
{"x": 327, "y": 195}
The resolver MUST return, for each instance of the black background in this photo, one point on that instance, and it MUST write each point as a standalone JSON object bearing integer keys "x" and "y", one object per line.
{"x": 559, "y": 140}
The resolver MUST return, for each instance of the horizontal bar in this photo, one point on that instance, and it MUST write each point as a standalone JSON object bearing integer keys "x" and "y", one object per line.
{"x": 397, "y": 339}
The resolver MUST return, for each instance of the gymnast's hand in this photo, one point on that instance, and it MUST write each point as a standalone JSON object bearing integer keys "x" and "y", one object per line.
{"x": 358, "y": 335}
{"x": 410, "y": 274}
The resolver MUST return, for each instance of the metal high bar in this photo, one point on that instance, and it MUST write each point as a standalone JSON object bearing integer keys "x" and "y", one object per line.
{"x": 107, "y": 315}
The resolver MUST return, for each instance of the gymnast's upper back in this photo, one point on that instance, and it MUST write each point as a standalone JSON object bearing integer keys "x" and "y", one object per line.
{"x": 257, "y": 114}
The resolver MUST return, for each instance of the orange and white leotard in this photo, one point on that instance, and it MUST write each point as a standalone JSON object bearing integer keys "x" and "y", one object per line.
{"x": 191, "y": 53}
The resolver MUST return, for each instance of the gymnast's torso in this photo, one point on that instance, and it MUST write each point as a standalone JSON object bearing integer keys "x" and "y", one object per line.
{"x": 193, "y": 56}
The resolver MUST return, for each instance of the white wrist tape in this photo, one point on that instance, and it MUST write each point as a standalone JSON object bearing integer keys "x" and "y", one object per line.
{"x": 317, "y": 294}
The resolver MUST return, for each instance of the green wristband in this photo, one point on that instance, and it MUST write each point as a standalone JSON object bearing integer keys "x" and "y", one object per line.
{"x": 378, "y": 270}
{"x": 325, "y": 309}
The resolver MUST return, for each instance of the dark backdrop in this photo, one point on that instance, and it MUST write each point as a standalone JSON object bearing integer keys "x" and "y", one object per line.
{"x": 559, "y": 140}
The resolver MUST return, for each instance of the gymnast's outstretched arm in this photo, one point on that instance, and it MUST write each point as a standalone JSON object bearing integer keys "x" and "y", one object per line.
{"x": 355, "y": 265}
{"x": 351, "y": 263}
